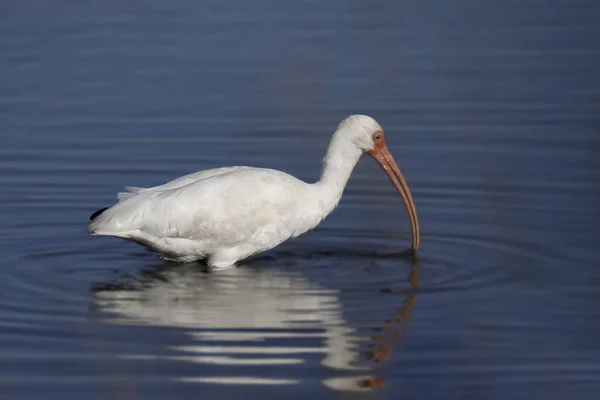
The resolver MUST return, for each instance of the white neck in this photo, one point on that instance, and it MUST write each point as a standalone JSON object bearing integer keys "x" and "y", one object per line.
{"x": 340, "y": 159}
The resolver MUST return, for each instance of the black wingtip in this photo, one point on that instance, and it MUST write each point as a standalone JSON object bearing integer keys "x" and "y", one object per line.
{"x": 100, "y": 211}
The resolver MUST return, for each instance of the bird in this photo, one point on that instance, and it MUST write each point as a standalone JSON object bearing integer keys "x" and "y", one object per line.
{"x": 228, "y": 214}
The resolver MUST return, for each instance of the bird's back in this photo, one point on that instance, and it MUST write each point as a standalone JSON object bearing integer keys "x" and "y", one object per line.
{"x": 220, "y": 207}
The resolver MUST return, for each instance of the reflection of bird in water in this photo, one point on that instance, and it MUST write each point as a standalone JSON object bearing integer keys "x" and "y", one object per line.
{"x": 229, "y": 214}
{"x": 382, "y": 350}
{"x": 252, "y": 307}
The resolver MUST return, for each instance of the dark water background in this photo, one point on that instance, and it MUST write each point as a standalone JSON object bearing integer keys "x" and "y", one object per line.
{"x": 490, "y": 107}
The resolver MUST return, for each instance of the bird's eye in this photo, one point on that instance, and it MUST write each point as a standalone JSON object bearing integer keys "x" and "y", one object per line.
{"x": 377, "y": 137}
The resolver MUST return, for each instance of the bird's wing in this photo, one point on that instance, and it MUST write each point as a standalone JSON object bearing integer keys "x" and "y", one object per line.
{"x": 226, "y": 208}
{"x": 178, "y": 182}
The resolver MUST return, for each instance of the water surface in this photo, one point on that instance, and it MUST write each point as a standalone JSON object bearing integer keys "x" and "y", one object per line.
{"x": 490, "y": 108}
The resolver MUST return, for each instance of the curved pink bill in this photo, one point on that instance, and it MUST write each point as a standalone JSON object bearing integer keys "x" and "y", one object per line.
{"x": 383, "y": 156}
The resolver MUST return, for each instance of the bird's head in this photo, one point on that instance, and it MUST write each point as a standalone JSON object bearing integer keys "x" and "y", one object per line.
{"x": 362, "y": 131}
{"x": 367, "y": 135}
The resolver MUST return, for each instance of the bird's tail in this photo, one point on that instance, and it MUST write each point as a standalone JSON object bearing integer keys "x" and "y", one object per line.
{"x": 131, "y": 191}
{"x": 100, "y": 211}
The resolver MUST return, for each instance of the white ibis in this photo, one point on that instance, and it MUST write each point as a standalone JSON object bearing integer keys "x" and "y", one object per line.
{"x": 227, "y": 214}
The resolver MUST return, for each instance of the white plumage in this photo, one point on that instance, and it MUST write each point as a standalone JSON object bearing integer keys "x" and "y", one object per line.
{"x": 228, "y": 214}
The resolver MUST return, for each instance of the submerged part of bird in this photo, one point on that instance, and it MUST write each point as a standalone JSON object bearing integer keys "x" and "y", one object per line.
{"x": 227, "y": 214}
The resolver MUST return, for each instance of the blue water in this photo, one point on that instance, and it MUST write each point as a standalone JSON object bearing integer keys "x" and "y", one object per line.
{"x": 490, "y": 108}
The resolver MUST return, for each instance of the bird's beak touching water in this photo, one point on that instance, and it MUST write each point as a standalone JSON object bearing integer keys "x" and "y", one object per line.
{"x": 383, "y": 156}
